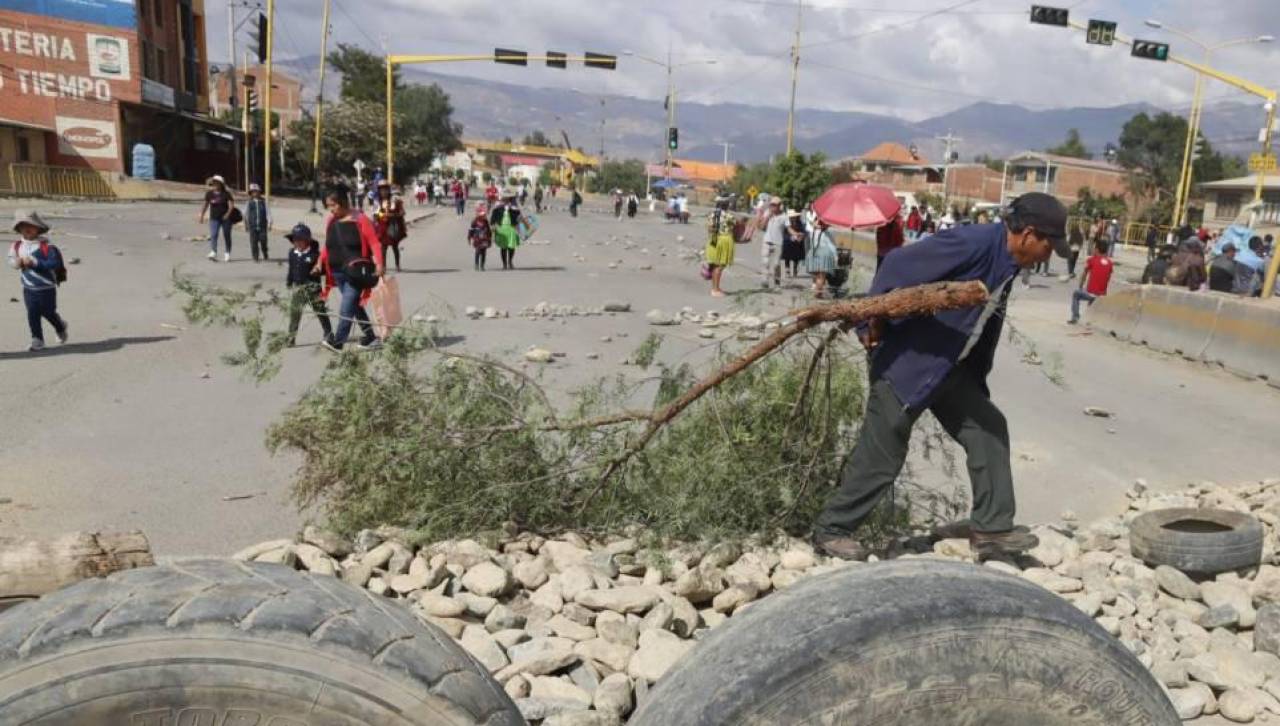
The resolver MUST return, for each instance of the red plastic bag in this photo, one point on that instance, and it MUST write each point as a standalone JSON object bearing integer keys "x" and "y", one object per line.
{"x": 384, "y": 301}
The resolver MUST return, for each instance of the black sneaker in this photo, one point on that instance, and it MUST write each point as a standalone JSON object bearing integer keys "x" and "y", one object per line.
{"x": 845, "y": 548}
{"x": 1014, "y": 541}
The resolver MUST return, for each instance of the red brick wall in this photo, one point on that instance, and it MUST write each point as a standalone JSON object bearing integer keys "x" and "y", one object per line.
{"x": 65, "y": 76}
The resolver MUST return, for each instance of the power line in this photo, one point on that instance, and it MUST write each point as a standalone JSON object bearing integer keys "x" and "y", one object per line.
{"x": 895, "y": 26}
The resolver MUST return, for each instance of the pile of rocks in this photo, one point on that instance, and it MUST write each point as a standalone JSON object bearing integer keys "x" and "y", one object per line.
{"x": 578, "y": 630}
{"x": 744, "y": 324}
{"x": 546, "y": 310}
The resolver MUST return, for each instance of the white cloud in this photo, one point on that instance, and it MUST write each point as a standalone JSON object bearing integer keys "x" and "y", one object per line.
{"x": 867, "y": 55}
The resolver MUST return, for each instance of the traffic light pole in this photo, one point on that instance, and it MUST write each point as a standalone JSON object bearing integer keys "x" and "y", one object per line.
{"x": 266, "y": 105}
{"x": 315, "y": 147}
{"x": 520, "y": 59}
{"x": 671, "y": 109}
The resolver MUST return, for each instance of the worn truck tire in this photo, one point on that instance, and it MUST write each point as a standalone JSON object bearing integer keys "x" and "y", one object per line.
{"x": 222, "y": 643}
{"x": 1202, "y": 541}
{"x": 909, "y": 643}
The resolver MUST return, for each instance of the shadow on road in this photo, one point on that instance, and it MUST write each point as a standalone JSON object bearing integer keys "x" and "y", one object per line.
{"x": 545, "y": 268}
{"x": 89, "y": 348}
{"x": 427, "y": 271}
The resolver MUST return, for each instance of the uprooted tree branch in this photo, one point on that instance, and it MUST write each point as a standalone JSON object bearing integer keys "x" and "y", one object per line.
{"x": 469, "y": 443}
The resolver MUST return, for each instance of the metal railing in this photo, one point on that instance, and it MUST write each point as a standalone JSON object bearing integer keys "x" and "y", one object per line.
{"x": 58, "y": 181}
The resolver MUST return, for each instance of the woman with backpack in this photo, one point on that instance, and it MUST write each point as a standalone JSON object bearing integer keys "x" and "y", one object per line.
{"x": 351, "y": 260}
{"x": 220, "y": 206}
{"x": 389, "y": 221}
{"x": 41, "y": 268}
{"x": 504, "y": 220}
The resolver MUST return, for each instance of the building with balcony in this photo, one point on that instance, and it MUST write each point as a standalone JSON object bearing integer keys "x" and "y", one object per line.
{"x": 1063, "y": 177}
{"x": 1230, "y": 200}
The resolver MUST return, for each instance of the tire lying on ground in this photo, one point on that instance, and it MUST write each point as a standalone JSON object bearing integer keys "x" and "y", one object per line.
{"x": 1203, "y": 541}
{"x": 233, "y": 644}
{"x": 909, "y": 643}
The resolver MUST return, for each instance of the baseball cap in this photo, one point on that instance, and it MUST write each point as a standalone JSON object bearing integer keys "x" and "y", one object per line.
{"x": 1047, "y": 215}
{"x": 299, "y": 231}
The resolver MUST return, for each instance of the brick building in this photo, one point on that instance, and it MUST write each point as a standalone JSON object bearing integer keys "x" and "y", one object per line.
{"x": 286, "y": 91}
{"x": 83, "y": 81}
{"x": 1063, "y": 177}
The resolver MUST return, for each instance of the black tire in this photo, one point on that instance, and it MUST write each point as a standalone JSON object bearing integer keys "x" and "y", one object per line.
{"x": 904, "y": 644}
{"x": 1200, "y": 541}
{"x": 234, "y": 644}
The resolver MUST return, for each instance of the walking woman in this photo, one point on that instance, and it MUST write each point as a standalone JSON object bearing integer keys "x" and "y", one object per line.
{"x": 351, "y": 260}
{"x": 505, "y": 222}
{"x": 793, "y": 242}
{"x": 821, "y": 258}
{"x": 720, "y": 244}
{"x": 389, "y": 221}
{"x": 218, "y": 205}
{"x": 480, "y": 237}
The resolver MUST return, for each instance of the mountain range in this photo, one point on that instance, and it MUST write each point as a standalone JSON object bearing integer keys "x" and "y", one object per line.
{"x": 630, "y": 127}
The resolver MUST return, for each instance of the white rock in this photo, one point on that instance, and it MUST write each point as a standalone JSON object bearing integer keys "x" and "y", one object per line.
{"x": 477, "y": 605}
{"x": 613, "y": 696}
{"x": 517, "y": 687}
{"x": 479, "y": 643}
{"x": 1176, "y": 583}
{"x": 549, "y": 596}
{"x": 658, "y": 317}
{"x": 1240, "y": 704}
{"x": 564, "y": 554}
{"x": 566, "y": 628}
{"x": 575, "y": 580}
{"x": 466, "y": 553}
{"x": 538, "y": 664}
{"x": 614, "y": 656}
{"x": 538, "y": 355}
{"x": 315, "y": 559}
{"x": 1233, "y": 594}
{"x": 440, "y": 606}
{"x": 252, "y": 552}
{"x": 555, "y": 688}
{"x": 614, "y": 627}
{"x": 1187, "y": 702}
{"x": 487, "y": 580}
{"x": 630, "y": 599}
{"x": 1223, "y": 668}
{"x": 1052, "y": 581}
{"x": 700, "y": 584}
{"x": 531, "y": 574}
{"x": 733, "y": 598}
{"x": 658, "y": 651}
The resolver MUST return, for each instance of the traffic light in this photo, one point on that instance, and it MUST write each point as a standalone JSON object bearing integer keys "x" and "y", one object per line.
{"x": 1101, "y": 32}
{"x": 557, "y": 60}
{"x": 673, "y": 138}
{"x": 260, "y": 38}
{"x": 1045, "y": 15}
{"x": 250, "y": 93}
{"x": 600, "y": 60}
{"x": 510, "y": 57}
{"x": 1199, "y": 148}
{"x": 1150, "y": 49}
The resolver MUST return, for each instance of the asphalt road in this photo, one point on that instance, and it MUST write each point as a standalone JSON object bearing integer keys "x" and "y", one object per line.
{"x": 137, "y": 424}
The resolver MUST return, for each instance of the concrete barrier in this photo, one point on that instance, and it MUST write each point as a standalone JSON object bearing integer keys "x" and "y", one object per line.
{"x": 1174, "y": 320}
{"x": 1116, "y": 313}
{"x": 1246, "y": 339}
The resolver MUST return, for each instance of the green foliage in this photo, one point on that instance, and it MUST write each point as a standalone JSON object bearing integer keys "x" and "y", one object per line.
{"x": 756, "y": 175}
{"x": 364, "y": 75}
{"x": 1090, "y": 205}
{"x": 929, "y": 200}
{"x": 1072, "y": 146}
{"x": 537, "y": 138}
{"x": 991, "y": 162}
{"x": 799, "y": 179}
{"x": 626, "y": 175}
{"x": 1153, "y": 146}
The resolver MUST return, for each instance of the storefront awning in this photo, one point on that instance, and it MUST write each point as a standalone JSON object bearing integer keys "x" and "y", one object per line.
{"x": 24, "y": 125}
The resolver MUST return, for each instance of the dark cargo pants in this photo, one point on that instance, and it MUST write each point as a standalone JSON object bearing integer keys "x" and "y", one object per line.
{"x": 964, "y": 408}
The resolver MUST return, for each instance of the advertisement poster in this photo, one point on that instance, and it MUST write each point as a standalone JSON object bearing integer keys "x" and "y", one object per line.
{"x": 108, "y": 57}
{"x": 87, "y": 137}
{"x": 115, "y": 13}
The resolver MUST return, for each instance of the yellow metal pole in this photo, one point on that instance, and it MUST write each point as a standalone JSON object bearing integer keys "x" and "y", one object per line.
{"x": 1184, "y": 177}
{"x": 266, "y": 105}
{"x": 1269, "y": 282}
{"x": 315, "y": 151}
{"x": 390, "y": 131}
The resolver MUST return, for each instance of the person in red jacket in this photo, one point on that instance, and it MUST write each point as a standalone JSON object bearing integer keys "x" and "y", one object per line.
{"x": 888, "y": 239}
{"x": 1094, "y": 281}
{"x": 350, "y": 243}
{"x": 915, "y": 223}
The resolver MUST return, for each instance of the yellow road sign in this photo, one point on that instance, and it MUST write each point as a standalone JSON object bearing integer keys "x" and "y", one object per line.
{"x": 1262, "y": 162}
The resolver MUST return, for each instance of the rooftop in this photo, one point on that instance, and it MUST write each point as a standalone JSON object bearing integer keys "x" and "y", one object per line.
{"x": 1270, "y": 182}
{"x": 893, "y": 153}
{"x": 1059, "y": 160}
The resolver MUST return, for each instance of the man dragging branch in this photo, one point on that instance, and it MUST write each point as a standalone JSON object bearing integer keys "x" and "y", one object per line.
{"x": 940, "y": 363}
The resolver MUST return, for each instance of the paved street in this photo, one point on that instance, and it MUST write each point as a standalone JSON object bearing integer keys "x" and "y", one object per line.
{"x": 136, "y": 423}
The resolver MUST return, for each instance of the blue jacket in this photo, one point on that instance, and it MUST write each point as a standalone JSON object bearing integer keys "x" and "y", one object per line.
{"x": 916, "y": 354}
{"x": 256, "y": 216}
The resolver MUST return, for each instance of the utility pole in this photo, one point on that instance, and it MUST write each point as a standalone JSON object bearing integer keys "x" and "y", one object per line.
{"x": 671, "y": 107}
{"x": 266, "y": 104}
{"x": 315, "y": 149}
{"x": 948, "y": 143}
{"x": 726, "y": 146}
{"x": 795, "y": 74}
{"x": 231, "y": 51}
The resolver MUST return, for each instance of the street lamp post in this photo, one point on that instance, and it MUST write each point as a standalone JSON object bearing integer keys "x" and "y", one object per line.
{"x": 1183, "y": 192}
{"x": 671, "y": 89}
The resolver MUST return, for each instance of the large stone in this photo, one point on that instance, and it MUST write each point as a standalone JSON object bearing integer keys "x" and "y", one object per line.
{"x": 750, "y": 571}
{"x": 660, "y": 617}
{"x": 517, "y": 687}
{"x": 334, "y": 544}
{"x": 566, "y": 628}
{"x": 487, "y": 580}
{"x": 465, "y": 553}
{"x": 1187, "y": 702}
{"x": 574, "y": 580}
{"x": 614, "y": 627}
{"x": 684, "y": 616}
{"x": 658, "y": 651}
{"x": 613, "y": 656}
{"x": 579, "y": 614}
{"x": 315, "y": 560}
{"x": 549, "y": 595}
{"x": 1171, "y": 673}
{"x": 1241, "y": 705}
{"x": 586, "y": 676}
{"x": 1226, "y": 667}
{"x": 556, "y": 688}
{"x": 440, "y": 606}
{"x": 1266, "y": 584}
{"x": 798, "y": 559}
{"x": 783, "y": 578}
{"x": 477, "y": 641}
{"x": 733, "y": 598}
{"x": 1176, "y": 583}
{"x": 538, "y": 664}
{"x": 564, "y": 554}
{"x": 502, "y": 617}
{"x": 1221, "y": 616}
{"x": 700, "y": 584}
{"x": 581, "y": 718}
{"x": 956, "y": 549}
{"x": 613, "y": 696}
{"x": 630, "y": 599}
{"x": 531, "y": 574}
{"x": 1266, "y": 629}
{"x": 253, "y": 552}
{"x": 477, "y": 605}
{"x": 421, "y": 576}
{"x": 1054, "y": 547}
{"x": 1052, "y": 581}
{"x": 544, "y": 709}
{"x": 1233, "y": 594}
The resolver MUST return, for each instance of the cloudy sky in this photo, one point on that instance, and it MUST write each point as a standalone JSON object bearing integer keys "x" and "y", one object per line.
{"x": 912, "y": 58}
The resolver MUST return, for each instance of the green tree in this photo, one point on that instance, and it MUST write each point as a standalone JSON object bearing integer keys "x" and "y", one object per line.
{"x": 537, "y": 138}
{"x": 626, "y": 175}
{"x": 1091, "y": 205}
{"x": 989, "y": 161}
{"x": 1072, "y": 146}
{"x": 1151, "y": 148}
{"x": 364, "y": 75}
{"x": 800, "y": 178}
{"x": 746, "y": 177}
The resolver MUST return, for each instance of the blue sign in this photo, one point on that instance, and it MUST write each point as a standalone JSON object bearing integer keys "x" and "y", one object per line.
{"x": 115, "y": 13}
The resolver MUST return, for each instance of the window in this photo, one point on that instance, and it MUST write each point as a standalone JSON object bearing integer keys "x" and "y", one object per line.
{"x": 159, "y": 7}
{"x": 1228, "y": 205}
{"x": 1020, "y": 173}
{"x": 162, "y": 67}
{"x": 1270, "y": 208}
{"x": 24, "y": 149}
{"x": 143, "y": 11}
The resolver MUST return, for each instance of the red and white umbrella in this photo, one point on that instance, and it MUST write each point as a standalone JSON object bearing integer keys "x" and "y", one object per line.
{"x": 857, "y": 205}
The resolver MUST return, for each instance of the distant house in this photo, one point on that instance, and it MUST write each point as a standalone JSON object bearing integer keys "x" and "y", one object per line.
{"x": 894, "y": 165}
{"x": 1228, "y": 199}
{"x": 1063, "y": 177}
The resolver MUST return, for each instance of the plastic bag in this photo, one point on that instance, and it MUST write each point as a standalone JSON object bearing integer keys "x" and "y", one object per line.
{"x": 384, "y": 301}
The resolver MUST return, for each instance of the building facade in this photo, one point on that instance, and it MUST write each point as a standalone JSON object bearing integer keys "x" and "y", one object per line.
{"x": 83, "y": 81}
{"x": 1063, "y": 177}
{"x": 1231, "y": 200}
{"x": 286, "y": 91}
